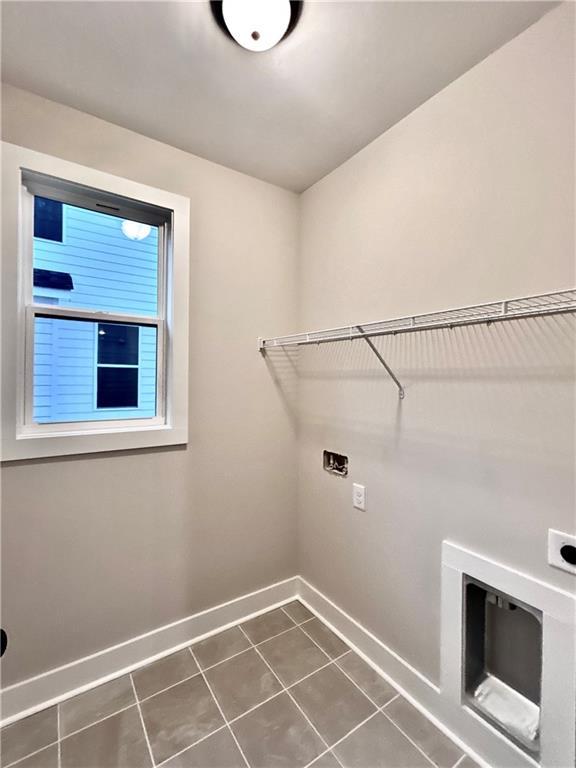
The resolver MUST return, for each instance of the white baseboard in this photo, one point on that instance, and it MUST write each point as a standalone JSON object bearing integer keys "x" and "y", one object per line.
{"x": 36, "y": 693}
{"x": 486, "y": 745}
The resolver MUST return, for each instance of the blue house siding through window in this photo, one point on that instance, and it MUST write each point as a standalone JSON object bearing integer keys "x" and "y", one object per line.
{"x": 108, "y": 272}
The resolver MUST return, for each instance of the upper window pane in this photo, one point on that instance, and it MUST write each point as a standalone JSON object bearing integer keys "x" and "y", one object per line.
{"x": 110, "y": 264}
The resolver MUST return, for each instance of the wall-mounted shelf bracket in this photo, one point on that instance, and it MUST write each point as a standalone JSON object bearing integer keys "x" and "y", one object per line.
{"x": 389, "y": 371}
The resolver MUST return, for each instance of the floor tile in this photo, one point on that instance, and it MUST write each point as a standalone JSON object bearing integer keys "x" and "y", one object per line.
{"x": 293, "y": 655}
{"x": 180, "y": 716}
{"x": 117, "y": 742}
{"x": 379, "y": 744}
{"x": 266, "y": 626}
{"x": 95, "y": 704}
{"x": 241, "y": 683}
{"x": 374, "y": 686}
{"x": 298, "y": 612}
{"x": 468, "y": 763}
{"x": 326, "y": 761}
{"x": 439, "y": 748}
{"x": 217, "y": 751}
{"x": 163, "y": 673}
{"x": 332, "y": 702}
{"x": 276, "y": 735}
{"x": 46, "y": 758}
{"x": 28, "y": 735}
{"x": 326, "y": 639}
{"x": 220, "y": 647}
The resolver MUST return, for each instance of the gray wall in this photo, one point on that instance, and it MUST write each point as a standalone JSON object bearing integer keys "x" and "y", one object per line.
{"x": 97, "y": 549}
{"x": 468, "y": 199}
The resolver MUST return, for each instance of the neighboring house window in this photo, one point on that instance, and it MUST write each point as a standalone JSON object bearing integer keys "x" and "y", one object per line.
{"x": 48, "y": 219}
{"x": 54, "y": 287}
{"x": 104, "y": 268}
{"x": 118, "y": 359}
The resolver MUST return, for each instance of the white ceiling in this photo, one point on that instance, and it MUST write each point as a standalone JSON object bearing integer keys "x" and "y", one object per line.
{"x": 348, "y": 72}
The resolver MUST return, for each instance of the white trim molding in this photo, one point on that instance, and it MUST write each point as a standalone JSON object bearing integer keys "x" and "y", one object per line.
{"x": 48, "y": 688}
{"x": 558, "y": 608}
{"x": 22, "y": 438}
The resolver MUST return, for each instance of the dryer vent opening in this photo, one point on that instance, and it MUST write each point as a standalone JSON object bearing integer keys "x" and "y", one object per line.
{"x": 503, "y": 662}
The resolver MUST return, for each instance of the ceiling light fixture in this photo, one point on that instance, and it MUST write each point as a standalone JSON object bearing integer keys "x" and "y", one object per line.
{"x": 257, "y": 25}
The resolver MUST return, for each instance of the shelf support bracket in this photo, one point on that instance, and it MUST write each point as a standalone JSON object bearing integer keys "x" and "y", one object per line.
{"x": 389, "y": 371}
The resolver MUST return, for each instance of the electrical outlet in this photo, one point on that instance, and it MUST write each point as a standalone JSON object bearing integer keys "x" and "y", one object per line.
{"x": 359, "y": 496}
{"x": 562, "y": 550}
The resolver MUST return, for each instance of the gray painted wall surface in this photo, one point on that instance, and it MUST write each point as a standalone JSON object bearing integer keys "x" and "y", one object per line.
{"x": 469, "y": 199}
{"x": 97, "y": 549}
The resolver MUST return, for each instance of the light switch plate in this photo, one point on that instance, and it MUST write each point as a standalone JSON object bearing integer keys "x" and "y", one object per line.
{"x": 562, "y": 550}
{"x": 359, "y": 496}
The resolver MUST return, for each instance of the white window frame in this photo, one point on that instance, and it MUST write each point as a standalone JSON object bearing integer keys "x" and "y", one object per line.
{"x": 21, "y": 437}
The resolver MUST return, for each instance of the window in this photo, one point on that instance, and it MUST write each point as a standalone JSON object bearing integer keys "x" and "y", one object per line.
{"x": 101, "y": 363}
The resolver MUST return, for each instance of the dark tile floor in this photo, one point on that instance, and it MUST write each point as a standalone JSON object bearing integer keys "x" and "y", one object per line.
{"x": 279, "y": 691}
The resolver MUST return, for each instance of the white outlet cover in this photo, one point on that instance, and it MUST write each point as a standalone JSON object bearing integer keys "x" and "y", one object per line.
{"x": 557, "y": 540}
{"x": 359, "y": 496}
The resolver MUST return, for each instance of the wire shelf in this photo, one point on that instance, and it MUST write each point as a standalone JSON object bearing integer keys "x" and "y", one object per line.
{"x": 560, "y": 302}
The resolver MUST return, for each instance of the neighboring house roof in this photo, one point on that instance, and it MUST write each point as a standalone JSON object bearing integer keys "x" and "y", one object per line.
{"x": 48, "y": 278}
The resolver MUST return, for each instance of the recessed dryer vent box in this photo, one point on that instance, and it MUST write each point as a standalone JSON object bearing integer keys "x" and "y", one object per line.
{"x": 503, "y": 662}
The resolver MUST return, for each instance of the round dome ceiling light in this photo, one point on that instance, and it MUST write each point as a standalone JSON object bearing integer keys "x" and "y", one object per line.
{"x": 257, "y": 25}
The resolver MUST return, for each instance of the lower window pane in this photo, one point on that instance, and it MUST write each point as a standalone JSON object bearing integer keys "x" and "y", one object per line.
{"x": 71, "y": 383}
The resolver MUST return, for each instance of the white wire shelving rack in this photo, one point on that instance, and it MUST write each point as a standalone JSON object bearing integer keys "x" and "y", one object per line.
{"x": 542, "y": 305}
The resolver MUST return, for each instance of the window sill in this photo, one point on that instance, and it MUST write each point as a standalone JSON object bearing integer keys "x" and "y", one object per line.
{"x": 36, "y": 446}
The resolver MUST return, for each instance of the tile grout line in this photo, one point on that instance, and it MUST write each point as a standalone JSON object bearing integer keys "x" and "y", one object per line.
{"x": 298, "y": 623}
{"x": 345, "y": 673}
{"x": 332, "y": 661}
{"x": 72, "y": 733}
{"x": 59, "y": 762}
{"x": 341, "y": 739}
{"x": 381, "y": 709}
{"x": 233, "y": 656}
{"x": 256, "y": 706}
{"x": 30, "y": 754}
{"x": 284, "y": 631}
{"x": 194, "y": 744}
{"x": 322, "y": 739}
{"x": 230, "y": 731}
{"x": 96, "y": 722}
{"x": 410, "y": 740}
{"x": 248, "y": 711}
{"x": 168, "y": 687}
{"x": 143, "y": 723}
